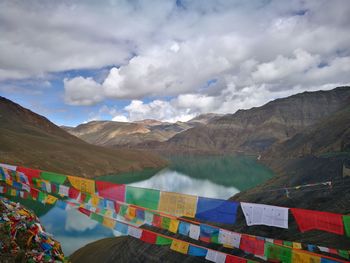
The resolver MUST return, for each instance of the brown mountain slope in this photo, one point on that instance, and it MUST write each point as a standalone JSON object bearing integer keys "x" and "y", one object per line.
{"x": 331, "y": 134}
{"x": 27, "y": 138}
{"x": 111, "y": 133}
{"x": 257, "y": 129}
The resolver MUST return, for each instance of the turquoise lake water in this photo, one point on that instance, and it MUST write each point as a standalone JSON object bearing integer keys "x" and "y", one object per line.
{"x": 210, "y": 176}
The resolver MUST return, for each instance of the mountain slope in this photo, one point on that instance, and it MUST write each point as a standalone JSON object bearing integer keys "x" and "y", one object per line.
{"x": 257, "y": 129}
{"x": 111, "y": 133}
{"x": 27, "y": 138}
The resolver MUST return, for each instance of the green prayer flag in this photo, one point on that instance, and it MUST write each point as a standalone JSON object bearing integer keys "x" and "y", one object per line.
{"x": 272, "y": 251}
{"x": 96, "y": 217}
{"x": 165, "y": 222}
{"x": 53, "y": 177}
{"x": 147, "y": 198}
{"x": 343, "y": 253}
{"x": 346, "y": 220}
{"x": 215, "y": 238}
{"x": 163, "y": 241}
{"x": 288, "y": 243}
{"x": 123, "y": 210}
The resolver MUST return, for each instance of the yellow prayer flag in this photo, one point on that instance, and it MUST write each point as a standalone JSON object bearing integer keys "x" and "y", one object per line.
{"x": 302, "y": 257}
{"x": 131, "y": 213}
{"x": 9, "y": 182}
{"x": 297, "y": 245}
{"x": 178, "y": 204}
{"x": 174, "y": 224}
{"x": 94, "y": 200}
{"x": 179, "y": 246}
{"x": 108, "y": 222}
{"x": 13, "y": 192}
{"x": 51, "y": 199}
{"x": 109, "y": 213}
{"x": 82, "y": 184}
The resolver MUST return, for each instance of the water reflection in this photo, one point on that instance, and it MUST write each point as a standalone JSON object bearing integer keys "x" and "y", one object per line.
{"x": 173, "y": 181}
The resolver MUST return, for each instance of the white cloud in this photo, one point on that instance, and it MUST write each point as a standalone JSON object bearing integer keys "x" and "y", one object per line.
{"x": 120, "y": 118}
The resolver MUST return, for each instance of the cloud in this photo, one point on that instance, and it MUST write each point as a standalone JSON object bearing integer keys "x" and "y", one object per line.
{"x": 164, "y": 57}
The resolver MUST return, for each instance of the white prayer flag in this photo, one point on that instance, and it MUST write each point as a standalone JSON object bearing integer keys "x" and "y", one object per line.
{"x": 63, "y": 190}
{"x": 256, "y": 214}
{"x": 194, "y": 231}
{"x": 134, "y": 232}
{"x": 8, "y": 166}
{"x": 229, "y": 238}
{"x": 215, "y": 256}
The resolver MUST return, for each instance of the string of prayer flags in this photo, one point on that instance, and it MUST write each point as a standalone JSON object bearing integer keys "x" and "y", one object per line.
{"x": 197, "y": 251}
{"x": 309, "y": 220}
{"x": 256, "y": 214}
{"x": 82, "y": 184}
{"x": 179, "y": 246}
{"x": 111, "y": 191}
{"x": 346, "y": 221}
{"x": 147, "y": 198}
{"x": 216, "y": 210}
{"x": 177, "y": 204}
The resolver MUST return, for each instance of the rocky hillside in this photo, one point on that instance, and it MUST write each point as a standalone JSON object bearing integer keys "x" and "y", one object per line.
{"x": 29, "y": 139}
{"x": 257, "y": 129}
{"x": 111, "y": 133}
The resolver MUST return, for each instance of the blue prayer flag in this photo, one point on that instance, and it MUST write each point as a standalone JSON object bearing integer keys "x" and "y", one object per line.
{"x": 197, "y": 251}
{"x": 216, "y": 210}
{"x": 311, "y": 248}
{"x": 121, "y": 228}
{"x": 208, "y": 233}
{"x": 184, "y": 228}
{"x": 326, "y": 260}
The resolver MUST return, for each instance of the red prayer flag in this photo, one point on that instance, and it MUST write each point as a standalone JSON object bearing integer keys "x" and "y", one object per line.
{"x": 278, "y": 242}
{"x": 252, "y": 245}
{"x": 157, "y": 221}
{"x": 309, "y": 220}
{"x": 84, "y": 211}
{"x": 111, "y": 191}
{"x": 234, "y": 259}
{"x": 148, "y": 237}
{"x": 73, "y": 193}
{"x": 34, "y": 193}
{"x": 30, "y": 173}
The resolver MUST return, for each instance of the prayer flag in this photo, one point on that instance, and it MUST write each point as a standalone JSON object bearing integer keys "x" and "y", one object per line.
{"x": 179, "y": 246}
{"x": 234, "y": 259}
{"x": 323, "y": 249}
{"x": 147, "y": 198}
{"x": 82, "y": 184}
{"x": 252, "y": 245}
{"x": 229, "y": 238}
{"x": 121, "y": 228}
{"x": 284, "y": 254}
{"x": 95, "y": 200}
{"x": 215, "y": 256}
{"x": 63, "y": 190}
{"x": 96, "y": 217}
{"x": 178, "y": 204}
{"x": 309, "y": 220}
{"x": 302, "y": 257}
{"x": 111, "y": 191}
{"x": 173, "y": 226}
{"x": 53, "y": 177}
{"x": 134, "y": 232}
{"x": 73, "y": 193}
{"x": 84, "y": 211}
{"x": 184, "y": 228}
{"x": 208, "y": 233}
{"x": 51, "y": 200}
{"x": 30, "y": 173}
{"x": 149, "y": 237}
{"x": 197, "y": 251}
{"x": 326, "y": 260}
{"x": 194, "y": 231}
{"x": 157, "y": 221}
{"x": 256, "y": 214}
{"x": 165, "y": 223}
{"x": 148, "y": 218}
{"x": 343, "y": 253}
{"x": 108, "y": 222}
{"x": 140, "y": 214}
{"x": 8, "y": 166}
{"x": 163, "y": 240}
{"x": 346, "y": 221}
{"x": 216, "y": 210}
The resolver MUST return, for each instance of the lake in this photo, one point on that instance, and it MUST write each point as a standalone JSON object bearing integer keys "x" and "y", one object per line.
{"x": 210, "y": 176}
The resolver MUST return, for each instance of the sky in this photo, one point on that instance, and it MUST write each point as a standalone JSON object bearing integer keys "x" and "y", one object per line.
{"x": 171, "y": 60}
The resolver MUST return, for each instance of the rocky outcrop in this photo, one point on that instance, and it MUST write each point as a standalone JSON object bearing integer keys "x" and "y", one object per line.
{"x": 32, "y": 140}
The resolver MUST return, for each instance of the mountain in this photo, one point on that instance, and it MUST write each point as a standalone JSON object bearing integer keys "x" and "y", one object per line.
{"x": 112, "y": 133}
{"x": 257, "y": 129}
{"x": 29, "y": 139}
{"x": 331, "y": 134}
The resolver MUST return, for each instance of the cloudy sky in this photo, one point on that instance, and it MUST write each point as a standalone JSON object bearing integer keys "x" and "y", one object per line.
{"x": 76, "y": 61}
